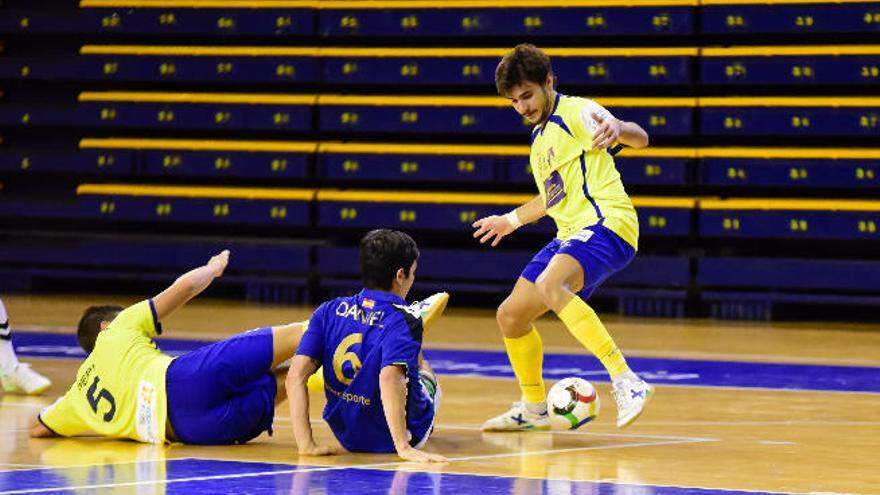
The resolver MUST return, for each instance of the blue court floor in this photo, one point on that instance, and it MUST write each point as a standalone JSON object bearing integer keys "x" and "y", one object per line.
{"x": 204, "y": 476}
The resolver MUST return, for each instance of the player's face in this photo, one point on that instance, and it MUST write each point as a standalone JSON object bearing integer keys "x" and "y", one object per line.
{"x": 532, "y": 100}
{"x": 406, "y": 283}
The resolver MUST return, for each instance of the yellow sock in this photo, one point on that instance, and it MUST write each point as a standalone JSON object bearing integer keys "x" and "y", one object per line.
{"x": 584, "y": 324}
{"x": 526, "y": 355}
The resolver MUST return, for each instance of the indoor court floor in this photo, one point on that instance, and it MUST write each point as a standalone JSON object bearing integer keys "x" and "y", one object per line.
{"x": 739, "y": 408}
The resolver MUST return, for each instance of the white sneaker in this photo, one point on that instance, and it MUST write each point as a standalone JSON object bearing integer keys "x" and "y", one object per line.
{"x": 430, "y": 308}
{"x": 518, "y": 418}
{"x": 631, "y": 395}
{"x": 22, "y": 379}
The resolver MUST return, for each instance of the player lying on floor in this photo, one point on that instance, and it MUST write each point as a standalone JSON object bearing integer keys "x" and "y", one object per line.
{"x": 222, "y": 393}
{"x": 382, "y": 396}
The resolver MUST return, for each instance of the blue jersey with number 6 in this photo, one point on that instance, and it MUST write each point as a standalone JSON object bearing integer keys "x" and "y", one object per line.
{"x": 354, "y": 338}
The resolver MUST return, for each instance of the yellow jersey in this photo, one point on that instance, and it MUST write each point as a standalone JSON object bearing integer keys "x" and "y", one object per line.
{"x": 580, "y": 187}
{"x": 119, "y": 390}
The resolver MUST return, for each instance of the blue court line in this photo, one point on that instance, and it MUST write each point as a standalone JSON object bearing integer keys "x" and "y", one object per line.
{"x": 205, "y": 476}
{"x": 495, "y": 364}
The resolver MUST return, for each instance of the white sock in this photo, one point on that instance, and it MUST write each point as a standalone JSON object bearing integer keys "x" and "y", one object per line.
{"x": 8, "y": 361}
{"x": 536, "y": 407}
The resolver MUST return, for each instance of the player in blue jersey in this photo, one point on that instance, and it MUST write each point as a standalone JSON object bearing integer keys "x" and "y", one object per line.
{"x": 382, "y": 396}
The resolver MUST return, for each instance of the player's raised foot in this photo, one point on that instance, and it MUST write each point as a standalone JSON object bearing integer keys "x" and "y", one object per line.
{"x": 430, "y": 308}
{"x": 23, "y": 380}
{"x": 518, "y": 418}
{"x": 631, "y": 394}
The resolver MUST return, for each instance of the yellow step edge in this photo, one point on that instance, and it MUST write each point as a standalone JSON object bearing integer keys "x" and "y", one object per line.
{"x": 790, "y": 204}
{"x": 659, "y": 152}
{"x": 487, "y": 101}
{"x": 779, "y": 2}
{"x": 789, "y": 101}
{"x": 467, "y": 149}
{"x": 196, "y": 192}
{"x": 198, "y": 145}
{"x": 243, "y": 98}
{"x": 776, "y": 51}
{"x": 423, "y": 197}
{"x": 336, "y": 5}
{"x": 415, "y": 4}
{"x": 202, "y": 4}
{"x": 662, "y": 202}
{"x": 431, "y": 149}
{"x": 220, "y": 51}
{"x": 387, "y": 52}
{"x": 805, "y": 153}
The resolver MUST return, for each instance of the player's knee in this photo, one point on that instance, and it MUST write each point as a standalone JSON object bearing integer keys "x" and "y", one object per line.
{"x": 509, "y": 319}
{"x": 551, "y": 292}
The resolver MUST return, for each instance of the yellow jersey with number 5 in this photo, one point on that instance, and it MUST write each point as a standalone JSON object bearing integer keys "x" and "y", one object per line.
{"x": 119, "y": 390}
{"x": 580, "y": 186}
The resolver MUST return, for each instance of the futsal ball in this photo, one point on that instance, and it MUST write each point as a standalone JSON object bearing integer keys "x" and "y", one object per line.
{"x": 572, "y": 402}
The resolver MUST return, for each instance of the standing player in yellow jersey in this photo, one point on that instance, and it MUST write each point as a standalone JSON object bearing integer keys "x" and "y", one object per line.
{"x": 598, "y": 232}
{"x": 222, "y": 393}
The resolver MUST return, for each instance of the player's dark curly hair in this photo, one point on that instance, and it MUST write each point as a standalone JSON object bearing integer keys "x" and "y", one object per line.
{"x": 525, "y": 62}
{"x": 90, "y": 324}
{"x": 382, "y": 253}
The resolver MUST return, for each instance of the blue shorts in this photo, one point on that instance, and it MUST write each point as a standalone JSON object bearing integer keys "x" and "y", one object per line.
{"x": 223, "y": 393}
{"x": 600, "y": 252}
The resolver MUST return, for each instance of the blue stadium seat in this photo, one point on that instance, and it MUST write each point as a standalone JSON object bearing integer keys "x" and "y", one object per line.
{"x": 184, "y": 204}
{"x": 791, "y": 65}
{"x": 481, "y": 115}
{"x": 294, "y": 18}
{"x": 87, "y": 162}
{"x": 510, "y": 18}
{"x": 207, "y": 158}
{"x": 476, "y": 66}
{"x": 748, "y": 288}
{"x": 782, "y": 17}
{"x": 211, "y": 64}
{"x": 790, "y": 116}
{"x": 748, "y": 168}
{"x": 196, "y": 111}
{"x": 790, "y": 218}
{"x": 266, "y": 271}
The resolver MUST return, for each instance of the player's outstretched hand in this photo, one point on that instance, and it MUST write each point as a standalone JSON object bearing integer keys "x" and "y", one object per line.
{"x": 218, "y": 263}
{"x": 607, "y": 133}
{"x": 318, "y": 451}
{"x": 495, "y": 226}
{"x": 415, "y": 455}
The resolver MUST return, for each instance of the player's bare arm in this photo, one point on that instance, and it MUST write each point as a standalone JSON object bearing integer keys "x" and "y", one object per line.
{"x": 497, "y": 227}
{"x": 38, "y": 430}
{"x": 392, "y": 386}
{"x": 301, "y": 369}
{"x": 189, "y": 285}
{"x": 611, "y": 131}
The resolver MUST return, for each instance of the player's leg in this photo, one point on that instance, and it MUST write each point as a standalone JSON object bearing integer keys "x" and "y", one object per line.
{"x": 285, "y": 340}
{"x": 430, "y": 389}
{"x": 586, "y": 261}
{"x": 516, "y": 316}
{"x": 16, "y": 377}
{"x": 201, "y": 384}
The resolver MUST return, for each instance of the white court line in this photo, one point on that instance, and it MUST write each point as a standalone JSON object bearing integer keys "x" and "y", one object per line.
{"x": 585, "y": 433}
{"x": 574, "y": 449}
{"x": 195, "y": 478}
{"x": 760, "y": 423}
{"x": 690, "y": 385}
{"x": 37, "y": 467}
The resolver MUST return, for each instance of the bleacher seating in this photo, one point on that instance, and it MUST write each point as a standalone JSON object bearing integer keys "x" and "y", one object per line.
{"x": 276, "y": 121}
